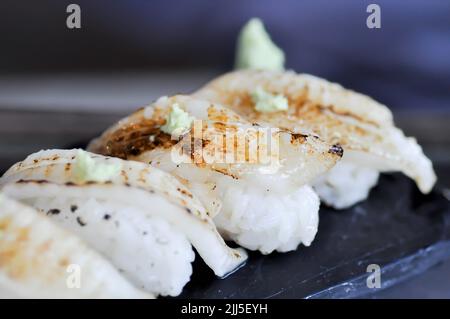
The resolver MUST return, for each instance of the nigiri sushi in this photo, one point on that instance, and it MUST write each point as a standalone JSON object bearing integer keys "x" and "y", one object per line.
{"x": 38, "y": 259}
{"x": 261, "y": 205}
{"x": 141, "y": 218}
{"x": 362, "y": 126}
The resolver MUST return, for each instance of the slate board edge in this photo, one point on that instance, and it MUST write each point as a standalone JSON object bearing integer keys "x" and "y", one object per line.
{"x": 391, "y": 274}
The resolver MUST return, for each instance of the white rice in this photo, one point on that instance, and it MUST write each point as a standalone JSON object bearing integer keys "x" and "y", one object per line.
{"x": 345, "y": 184}
{"x": 266, "y": 220}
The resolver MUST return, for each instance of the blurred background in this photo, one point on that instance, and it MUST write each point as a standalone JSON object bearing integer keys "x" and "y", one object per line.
{"x": 405, "y": 64}
{"x": 59, "y": 87}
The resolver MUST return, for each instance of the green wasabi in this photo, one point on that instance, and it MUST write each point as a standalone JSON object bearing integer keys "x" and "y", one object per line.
{"x": 177, "y": 121}
{"x": 255, "y": 49}
{"x": 86, "y": 169}
{"x": 266, "y": 102}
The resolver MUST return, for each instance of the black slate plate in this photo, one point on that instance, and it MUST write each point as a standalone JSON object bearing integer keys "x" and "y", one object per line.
{"x": 397, "y": 228}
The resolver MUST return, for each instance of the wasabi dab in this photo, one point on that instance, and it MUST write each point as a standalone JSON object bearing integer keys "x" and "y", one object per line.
{"x": 86, "y": 169}
{"x": 177, "y": 122}
{"x": 255, "y": 49}
{"x": 266, "y": 102}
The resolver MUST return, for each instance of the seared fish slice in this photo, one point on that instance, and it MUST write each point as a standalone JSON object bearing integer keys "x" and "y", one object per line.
{"x": 362, "y": 126}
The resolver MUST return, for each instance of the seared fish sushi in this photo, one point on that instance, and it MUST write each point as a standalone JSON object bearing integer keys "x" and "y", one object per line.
{"x": 38, "y": 259}
{"x": 362, "y": 126}
{"x": 261, "y": 201}
{"x": 139, "y": 217}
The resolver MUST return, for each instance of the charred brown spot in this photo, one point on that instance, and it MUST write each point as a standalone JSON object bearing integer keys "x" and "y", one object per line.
{"x": 224, "y": 172}
{"x": 220, "y": 127}
{"x": 53, "y": 211}
{"x": 67, "y": 167}
{"x": 184, "y": 192}
{"x": 135, "y": 138}
{"x": 48, "y": 170}
{"x": 64, "y": 262}
{"x": 80, "y": 221}
{"x": 39, "y": 181}
{"x": 205, "y": 143}
{"x": 298, "y": 138}
{"x": 337, "y": 150}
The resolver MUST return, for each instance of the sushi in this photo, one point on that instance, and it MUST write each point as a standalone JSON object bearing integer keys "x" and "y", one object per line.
{"x": 264, "y": 204}
{"x": 139, "y": 217}
{"x": 362, "y": 126}
{"x": 39, "y": 259}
